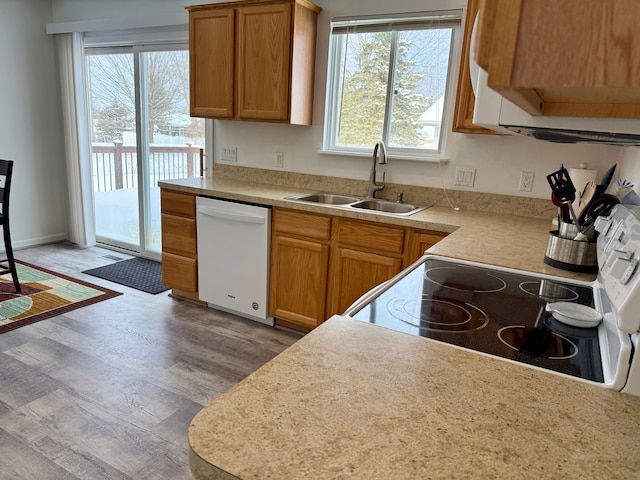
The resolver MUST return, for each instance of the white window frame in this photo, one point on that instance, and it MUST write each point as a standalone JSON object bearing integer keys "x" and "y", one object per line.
{"x": 334, "y": 83}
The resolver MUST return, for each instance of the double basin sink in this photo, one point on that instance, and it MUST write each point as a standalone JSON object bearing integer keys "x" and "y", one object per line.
{"x": 374, "y": 205}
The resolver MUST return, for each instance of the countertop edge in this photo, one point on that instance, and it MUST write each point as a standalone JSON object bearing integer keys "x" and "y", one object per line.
{"x": 200, "y": 468}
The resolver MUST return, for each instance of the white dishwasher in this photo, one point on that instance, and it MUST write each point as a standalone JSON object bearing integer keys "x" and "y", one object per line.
{"x": 233, "y": 257}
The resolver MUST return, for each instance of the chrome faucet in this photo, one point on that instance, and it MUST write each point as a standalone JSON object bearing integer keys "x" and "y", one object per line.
{"x": 373, "y": 185}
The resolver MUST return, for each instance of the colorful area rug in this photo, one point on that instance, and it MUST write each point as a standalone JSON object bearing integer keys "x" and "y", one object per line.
{"x": 44, "y": 294}
{"x": 139, "y": 273}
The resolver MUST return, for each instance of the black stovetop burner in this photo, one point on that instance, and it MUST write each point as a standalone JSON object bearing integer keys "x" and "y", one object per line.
{"x": 492, "y": 311}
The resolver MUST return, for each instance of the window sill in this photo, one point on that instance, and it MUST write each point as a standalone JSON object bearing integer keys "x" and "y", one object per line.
{"x": 391, "y": 156}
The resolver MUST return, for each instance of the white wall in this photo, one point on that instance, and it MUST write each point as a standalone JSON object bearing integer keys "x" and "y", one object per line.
{"x": 30, "y": 131}
{"x": 498, "y": 160}
{"x": 76, "y": 10}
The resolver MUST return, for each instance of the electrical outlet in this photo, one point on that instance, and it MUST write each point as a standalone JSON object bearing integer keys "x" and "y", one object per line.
{"x": 526, "y": 181}
{"x": 465, "y": 176}
{"x": 229, "y": 154}
{"x": 280, "y": 159}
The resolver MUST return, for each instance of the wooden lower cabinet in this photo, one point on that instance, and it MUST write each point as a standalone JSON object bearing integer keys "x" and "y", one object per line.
{"x": 419, "y": 242}
{"x": 363, "y": 255}
{"x": 299, "y": 268}
{"x": 320, "y": 264}
{"x": 179, "y": 243}
{"x": 299, "y": 280}
{"x": 178, "y": 235}
{"x": 180, "y": 272}
{"x": 353, "y": 273}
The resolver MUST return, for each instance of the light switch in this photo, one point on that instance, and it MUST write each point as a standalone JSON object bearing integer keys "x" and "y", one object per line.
{"x": 229, "y": 154}
{"x": 465, "y": 176}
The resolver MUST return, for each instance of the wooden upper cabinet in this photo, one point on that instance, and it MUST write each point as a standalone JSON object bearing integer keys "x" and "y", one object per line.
{"x": 465, "y": 99}
{"x": 569, "y": 58}
{"x": 263, "y": 66}
{"x": 253, "y": 60}
{"x": 211, "y": 58}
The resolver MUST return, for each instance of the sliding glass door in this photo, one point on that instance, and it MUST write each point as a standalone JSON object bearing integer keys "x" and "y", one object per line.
{"x": 141, "y": 133}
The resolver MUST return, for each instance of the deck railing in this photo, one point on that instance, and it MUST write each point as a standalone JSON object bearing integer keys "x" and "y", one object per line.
{"x": 115, "y": 166}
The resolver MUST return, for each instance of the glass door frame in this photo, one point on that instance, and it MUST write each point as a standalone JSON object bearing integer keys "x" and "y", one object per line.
{"x": 142, "y": 142}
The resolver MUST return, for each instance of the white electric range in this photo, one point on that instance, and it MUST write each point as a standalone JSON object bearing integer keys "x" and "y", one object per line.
{"x": 503, "y": 312}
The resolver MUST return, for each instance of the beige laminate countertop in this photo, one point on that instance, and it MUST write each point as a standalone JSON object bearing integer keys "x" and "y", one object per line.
{"x": 358, "y": 401}
{"x": 505, "y": 240}
{"x": 353, "y": 400}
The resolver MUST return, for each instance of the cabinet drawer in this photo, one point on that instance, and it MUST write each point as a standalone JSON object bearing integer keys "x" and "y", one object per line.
{"x": 179, "y": 272}
{"x": 301, "y": 224}
{"x": 371, "y": 236}
{"x": 178, "y": 203}
{"x": 179, "y": 235}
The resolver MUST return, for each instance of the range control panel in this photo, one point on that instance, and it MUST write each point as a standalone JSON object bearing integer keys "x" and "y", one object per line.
{"x": 618, "y": 257}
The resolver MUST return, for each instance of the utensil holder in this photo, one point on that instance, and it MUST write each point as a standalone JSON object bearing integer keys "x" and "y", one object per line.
{"x": 571, "y": 255}
{"x": 569, "y": 231}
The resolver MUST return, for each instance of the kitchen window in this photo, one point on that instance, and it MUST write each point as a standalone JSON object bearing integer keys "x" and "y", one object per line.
{"x": 388, "y": 78}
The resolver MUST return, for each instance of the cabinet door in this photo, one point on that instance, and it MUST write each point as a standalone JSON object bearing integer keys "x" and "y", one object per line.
{"x": 419, "y": 241}
{"x": 211, "y": 55}
{"x": 465, "y": 99}
{"x": 354, "y": 273}
{"x": 264, "y": 56}
{"x": 569, "y": 58}
{"x": 298, "y": 280}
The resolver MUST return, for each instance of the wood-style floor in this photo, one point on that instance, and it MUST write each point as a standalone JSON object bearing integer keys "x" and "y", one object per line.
{"x": 108, "y": 391}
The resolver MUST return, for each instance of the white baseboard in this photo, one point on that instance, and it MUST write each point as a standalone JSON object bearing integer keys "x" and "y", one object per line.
{"x": 32, "y": 242}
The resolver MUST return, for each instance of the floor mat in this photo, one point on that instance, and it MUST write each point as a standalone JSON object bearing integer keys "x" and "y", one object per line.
{"x": 139, "y": 273}
{"x": 44, "y": 294}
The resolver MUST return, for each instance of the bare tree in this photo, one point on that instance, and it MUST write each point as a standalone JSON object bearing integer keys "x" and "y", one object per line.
{"x": 113, "y": 91}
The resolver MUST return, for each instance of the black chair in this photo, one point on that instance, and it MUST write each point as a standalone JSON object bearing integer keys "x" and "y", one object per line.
{"x": 6, "y": 170}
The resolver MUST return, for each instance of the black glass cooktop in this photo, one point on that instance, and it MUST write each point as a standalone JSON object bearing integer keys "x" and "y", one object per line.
{"x": 492, "y": 311}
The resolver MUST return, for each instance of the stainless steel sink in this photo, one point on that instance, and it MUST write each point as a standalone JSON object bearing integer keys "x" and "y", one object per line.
{"x": 325, "y": 198}
{"x": 385, "y": 206}
{"x": 374, "y": 205}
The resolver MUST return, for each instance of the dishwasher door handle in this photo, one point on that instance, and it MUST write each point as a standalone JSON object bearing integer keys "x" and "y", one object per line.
{"x": 235, "y": 217}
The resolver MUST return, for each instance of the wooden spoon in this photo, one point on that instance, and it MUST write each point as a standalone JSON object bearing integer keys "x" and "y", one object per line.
{"x": 586, "y": 198}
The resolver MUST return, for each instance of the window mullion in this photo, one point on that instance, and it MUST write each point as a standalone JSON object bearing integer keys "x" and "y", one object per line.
{"x": 338, "y": 79}
{"x": 333, "y": 101}
{"x": 414, "y": 109}
{"x": 386, "y": 126}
